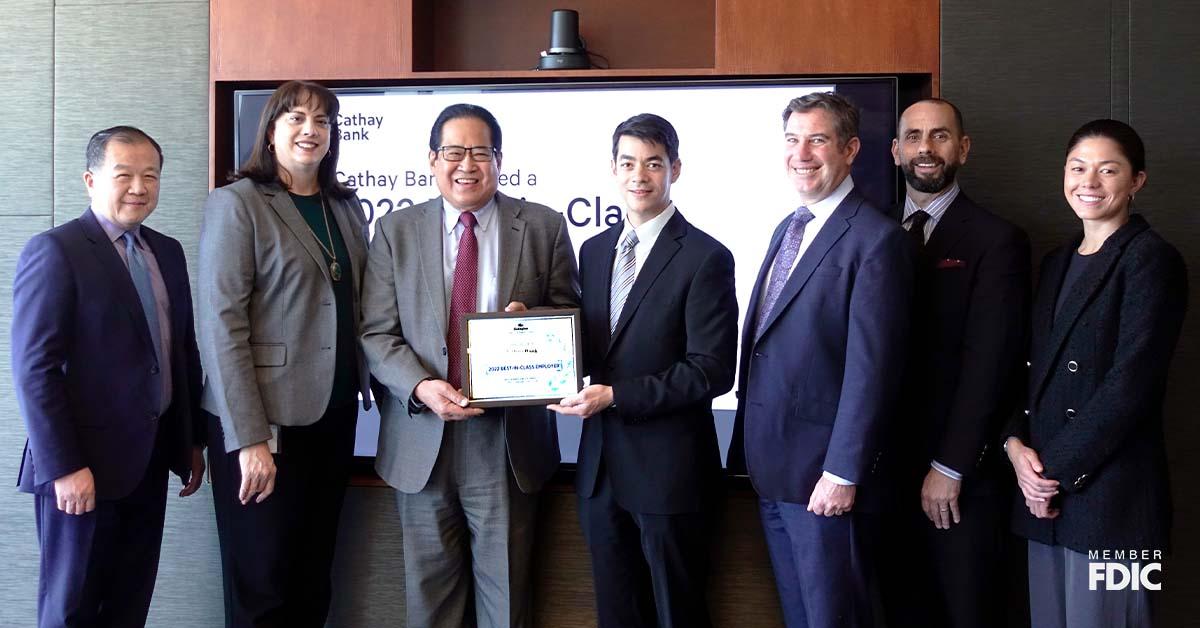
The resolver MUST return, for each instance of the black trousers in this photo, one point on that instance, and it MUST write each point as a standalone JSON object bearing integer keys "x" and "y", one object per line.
{"x": 649, "y": 570}
{"x": 956, "y": 578}
{"x": 99, "y": 568}
{"x": 276, "y": 556}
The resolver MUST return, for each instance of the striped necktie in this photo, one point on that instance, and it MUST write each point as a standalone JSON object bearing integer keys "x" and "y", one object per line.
{"x": 623, "y": 276}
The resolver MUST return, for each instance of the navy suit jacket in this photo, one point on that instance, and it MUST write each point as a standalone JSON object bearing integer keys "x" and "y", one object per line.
{"x": 817, "y": 383}
{"x": 87, "y": 377}
{"x": 673, "y": 351}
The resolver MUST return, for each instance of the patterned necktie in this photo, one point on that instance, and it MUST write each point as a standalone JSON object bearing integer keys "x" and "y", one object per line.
{"x": 781, "y": 269}
{"x": 463, "y": 294}
{"x": 916, "y": 229}
{"x": 622, "y": 279}
{"x": 140, "y": 273}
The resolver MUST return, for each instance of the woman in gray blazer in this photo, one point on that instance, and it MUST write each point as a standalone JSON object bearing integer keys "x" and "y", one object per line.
{"x": 282, "y": 251}
{"x": 1088, "y": 451}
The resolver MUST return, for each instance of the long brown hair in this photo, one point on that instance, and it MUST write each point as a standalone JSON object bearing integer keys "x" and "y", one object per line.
{"x": 262, "y": 167}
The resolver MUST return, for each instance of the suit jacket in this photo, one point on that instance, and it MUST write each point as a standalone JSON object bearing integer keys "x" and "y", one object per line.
{"x": 268, "y": 319}
{"x": 87, "y": 377}
{"x": 673, "y": 351}
{"x": 1097, "y": 378}
{"x": 963, "y": 376}
{"x": 404, "y": 330}
{"x": 817, "y": 384}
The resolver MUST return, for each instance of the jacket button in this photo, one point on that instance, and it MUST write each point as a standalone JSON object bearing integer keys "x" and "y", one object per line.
{"x": 444, "y": 351}
{"x": 1070, "y": 413}
{"x": 154, "y": 370}
{"x": 1072, "y": 366}
{"x": 758, "y": 354}
{"x": 1079, "y": 480}
{"x": 1028, "y": 364}
{"x": 1026, "y": 413}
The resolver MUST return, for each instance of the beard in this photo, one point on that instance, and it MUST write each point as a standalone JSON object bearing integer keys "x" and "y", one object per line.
{"x": 931, "y": 185}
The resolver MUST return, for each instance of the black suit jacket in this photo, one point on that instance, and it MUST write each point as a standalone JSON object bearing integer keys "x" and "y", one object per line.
{"x": 673, "y": 351}
{"x": 969, "y": 328}
{"x": 1096, "y": 382}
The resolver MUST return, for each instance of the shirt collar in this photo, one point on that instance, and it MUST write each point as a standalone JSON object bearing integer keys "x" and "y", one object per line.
{"x": 824, "y": 208}
{"x": 936, "y": 207}
{"x": 483, "y": 215}
{"x": 113, "y": 231}
{"x": 648, "y": 231}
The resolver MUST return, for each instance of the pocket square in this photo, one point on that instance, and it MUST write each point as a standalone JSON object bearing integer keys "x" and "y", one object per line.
{"x": 951, "y": 263}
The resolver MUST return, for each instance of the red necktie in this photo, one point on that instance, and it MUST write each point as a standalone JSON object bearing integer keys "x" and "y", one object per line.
{"x": 463, "y": 294}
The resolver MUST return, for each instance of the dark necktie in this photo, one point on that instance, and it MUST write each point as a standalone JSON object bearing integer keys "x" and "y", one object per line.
{"x": 622, "y": 279}
{"x": 140, "y": 273}
{"x": 463, "y": 294}
{"x": 781, "y": 269}
{"x": 916, "y": 229}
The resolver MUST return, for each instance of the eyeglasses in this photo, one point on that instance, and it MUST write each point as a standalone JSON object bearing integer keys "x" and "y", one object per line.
{"x": 459, "y": 153}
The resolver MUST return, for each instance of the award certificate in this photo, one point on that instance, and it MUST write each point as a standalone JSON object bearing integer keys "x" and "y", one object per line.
{"x": 521, "y": 358}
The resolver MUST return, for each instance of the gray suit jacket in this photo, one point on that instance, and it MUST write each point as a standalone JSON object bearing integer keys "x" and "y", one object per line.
{"x": 404, "y": 330}
{"x": 266, "y": 313}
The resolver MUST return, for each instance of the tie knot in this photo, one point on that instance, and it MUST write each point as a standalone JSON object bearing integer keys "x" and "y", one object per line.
{"x": 918, "y": 219}
{"x": 129, "y": 238}
{"x": 468, "y": 219}
{"x": 802, "y": 214}
{"x": 629, "y": 241}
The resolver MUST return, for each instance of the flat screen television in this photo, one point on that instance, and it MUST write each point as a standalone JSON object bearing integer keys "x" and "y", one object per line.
{"x": 557, "y": 148}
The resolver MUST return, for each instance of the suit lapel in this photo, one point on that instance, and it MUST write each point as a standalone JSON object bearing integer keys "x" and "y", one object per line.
{"x": 281, "y": 203}
{"x": 831, "y": 232}
{"x": 599, "y": 280}
{"x": 431, "y": 236}
{"x": 353, "y": 235}
{"x": 512, "y": 241}
{"x": 748, "y": 327}
{"x": 665, "y": 248}
{"x": 949, "y": 230}
{"x": 118, "y": 273}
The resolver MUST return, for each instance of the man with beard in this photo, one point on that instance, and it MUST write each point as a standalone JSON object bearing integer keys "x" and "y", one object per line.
{"x": 940, "y": 555}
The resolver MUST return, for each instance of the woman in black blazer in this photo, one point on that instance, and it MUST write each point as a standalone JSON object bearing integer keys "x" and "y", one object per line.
{"x": 1088, "y": 451}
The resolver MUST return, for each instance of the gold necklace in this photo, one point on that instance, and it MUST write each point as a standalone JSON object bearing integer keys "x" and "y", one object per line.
{"x": 335, "y": 269}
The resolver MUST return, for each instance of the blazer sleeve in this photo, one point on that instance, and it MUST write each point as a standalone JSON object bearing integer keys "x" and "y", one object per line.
{"x": 563, "y": 286}
{"x": 191, "y": 358}
{"x": 993, "y": 338}
{"x": 879, "y": 306}
{"x": 226, "y": 277}
{"x": 1151, "y": 315}
{"x": 710, "y": 322}
{"x": 44, "y": 311}
{"x": 391, "y": 358}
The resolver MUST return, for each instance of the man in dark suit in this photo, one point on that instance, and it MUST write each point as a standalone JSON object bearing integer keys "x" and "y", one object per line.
{"x": 660, "y": 331}
{"x": 108, "y": 380}
{"x": 821, "y": 348}
{"x": 941, "y": 546}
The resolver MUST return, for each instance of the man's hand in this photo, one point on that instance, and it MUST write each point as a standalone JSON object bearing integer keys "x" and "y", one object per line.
{"x": 939, "y": 499}
{"x": 76, "y": 492}
{"x": 445, "y": 400}
{"x": 587, "y": 402}
{"x": 258, "y": 473}
{"x": 1028, "y": 467}
{"x": 193, "y": 483}
{"x": 515, "y": 306}
{"x": 830, "y": 499}
{"x": 1041, "y": 510}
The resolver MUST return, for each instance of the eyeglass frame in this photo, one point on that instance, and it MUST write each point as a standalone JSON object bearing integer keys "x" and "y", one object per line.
{"x": 493, "y": 152}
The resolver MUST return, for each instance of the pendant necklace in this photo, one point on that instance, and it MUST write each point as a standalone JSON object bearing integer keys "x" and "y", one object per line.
{"x": 335, "y": 269}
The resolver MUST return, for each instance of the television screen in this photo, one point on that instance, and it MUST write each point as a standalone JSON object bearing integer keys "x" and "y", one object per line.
{"x": 557, "y": 150}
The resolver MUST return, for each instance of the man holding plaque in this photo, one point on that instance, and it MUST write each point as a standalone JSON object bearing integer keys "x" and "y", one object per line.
{"x": 466, "y": 478}
{"x": 660, "y": 339}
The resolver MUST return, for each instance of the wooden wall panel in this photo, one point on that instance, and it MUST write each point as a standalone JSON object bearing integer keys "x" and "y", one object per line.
{"x": 275, "y": 40}
{"x": 829, "y": 37}
{"x": 509, "y": 34}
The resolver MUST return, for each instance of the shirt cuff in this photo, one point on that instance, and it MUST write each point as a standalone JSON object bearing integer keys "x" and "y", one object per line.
{"x": 946, "y": 471}
{"x": 840, "y": 481}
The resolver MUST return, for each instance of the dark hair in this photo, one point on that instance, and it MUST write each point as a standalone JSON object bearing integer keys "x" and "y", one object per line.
{"x": 262, "y": 167}
{"x": 845, "y": 114}
{"x": 958, "y": 116}
{"x": 649, "y": 128}
{"x": 1126, "y": 139}
{"x": 464, "y": 110}
{"x": 97, "y": 147}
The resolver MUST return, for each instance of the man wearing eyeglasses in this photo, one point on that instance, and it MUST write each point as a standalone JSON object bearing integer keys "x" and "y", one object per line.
{"x": 466, "y": 478}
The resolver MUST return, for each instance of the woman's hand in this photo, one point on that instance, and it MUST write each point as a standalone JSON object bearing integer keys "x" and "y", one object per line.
{"x": 1028, "y": 467}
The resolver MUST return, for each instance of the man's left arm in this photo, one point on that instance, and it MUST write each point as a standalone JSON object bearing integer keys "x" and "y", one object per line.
{"x": 193, "y": 375}
{"x": 563, "y": 287}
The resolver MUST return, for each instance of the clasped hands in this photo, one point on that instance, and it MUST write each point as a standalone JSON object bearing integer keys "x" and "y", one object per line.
{"x": 1038, "y": 490}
